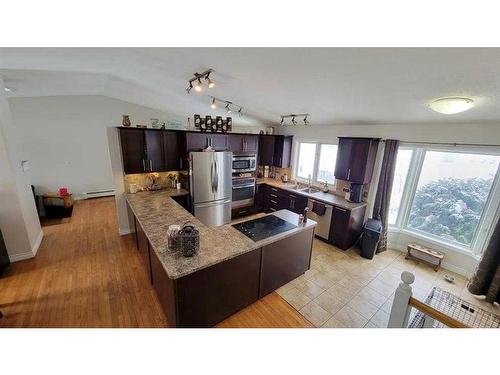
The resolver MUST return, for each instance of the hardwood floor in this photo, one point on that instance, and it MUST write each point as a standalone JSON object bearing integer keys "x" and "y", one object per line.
{"x": 86, "y": 275}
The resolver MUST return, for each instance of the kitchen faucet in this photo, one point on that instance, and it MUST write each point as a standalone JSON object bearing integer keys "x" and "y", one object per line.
{"x": 309, "y": 181}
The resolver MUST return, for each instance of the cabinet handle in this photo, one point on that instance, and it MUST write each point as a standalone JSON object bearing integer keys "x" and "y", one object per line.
{"x": 180, "y": 163}
{"x": 340, "y": 209}
{"x": 273, "y": 189}
{"x": 348, "y": 173}
{"x": 292, "y": 196}
{"x": 243, "y": 211}
{"x": 280, "y": 162}
{"x": 272, "y": 209}
{"x": 273, "y": 195}
{"x": 151, "y": 165}
{"x": 143, "y": 165}
{"x": 273, "y": 201}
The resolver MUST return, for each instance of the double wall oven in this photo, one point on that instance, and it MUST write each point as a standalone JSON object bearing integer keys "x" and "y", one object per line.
{"x": 243, "y": 180}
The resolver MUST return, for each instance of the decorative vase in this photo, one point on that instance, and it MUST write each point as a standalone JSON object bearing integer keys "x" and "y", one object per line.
{"x": 126, "y": 121}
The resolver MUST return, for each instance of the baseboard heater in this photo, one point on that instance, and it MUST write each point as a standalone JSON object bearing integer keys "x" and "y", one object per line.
{"x": 98, "y": 194}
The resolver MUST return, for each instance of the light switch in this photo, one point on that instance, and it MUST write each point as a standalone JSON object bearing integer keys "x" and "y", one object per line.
{"x": 25, "y": 165}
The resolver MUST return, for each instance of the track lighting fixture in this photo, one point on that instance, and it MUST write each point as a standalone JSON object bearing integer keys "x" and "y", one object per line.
{"x": 293, "y": 116}
{"x": 197, "y": 83}
{"x": 228, "y": 105}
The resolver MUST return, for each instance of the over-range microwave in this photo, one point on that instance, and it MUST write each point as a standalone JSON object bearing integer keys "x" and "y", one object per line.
{"x": 244, "y": 163}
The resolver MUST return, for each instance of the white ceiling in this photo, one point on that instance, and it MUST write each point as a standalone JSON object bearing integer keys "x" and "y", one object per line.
{"x": 335, "y": 85}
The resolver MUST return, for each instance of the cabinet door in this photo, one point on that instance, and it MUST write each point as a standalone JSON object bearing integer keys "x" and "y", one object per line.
{"x": 173, "y": 150}
{"x": 143, "y": 247}
{"x": 358, "y": 158}
{"x": 299, "y": 203}
{"x": 343, "y": 158}
{"x": 196, "y": 141}
{"x": 260, "y": 193}
{"x": 339, "y": 227}
{"x": 218, "y": 141}
{"x": 235, "y": 143}
{"x": 251, "y": 144}
{"x": 155, "y": 161}
{"x": 133, "y": 150}
{"x": 282, "y": 151}
{"x": 266, "y": 149}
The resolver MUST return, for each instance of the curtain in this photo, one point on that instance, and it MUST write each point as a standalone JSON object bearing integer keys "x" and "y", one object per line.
{"x": 384, "y": 188}
{"x": 486, "y": 279}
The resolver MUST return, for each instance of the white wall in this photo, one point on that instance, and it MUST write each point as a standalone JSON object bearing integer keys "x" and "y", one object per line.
{"x": 18, "y": 216}
{"x": 64, "y": 137}
{"x": 450, "y": 133}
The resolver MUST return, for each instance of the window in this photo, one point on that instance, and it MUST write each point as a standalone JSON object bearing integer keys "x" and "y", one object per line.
{"x": 451, "y": 194}
{"x": 327, "y": 160}
{"x": 445, "y": 194}
{"x": 307, "y": 154}
{"x": 403, "y": 161}
{"x": 316, "y": 160}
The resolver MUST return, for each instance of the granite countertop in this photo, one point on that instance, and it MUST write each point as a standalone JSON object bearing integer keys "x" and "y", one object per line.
{"x": 320, "y": 196}
{"x": 156, "y": 211}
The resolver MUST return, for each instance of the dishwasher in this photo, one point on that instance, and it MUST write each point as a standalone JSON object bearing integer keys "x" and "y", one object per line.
{"x": 324, "y": 221}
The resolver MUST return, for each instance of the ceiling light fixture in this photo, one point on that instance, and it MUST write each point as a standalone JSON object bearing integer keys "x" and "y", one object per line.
{"x": 213, "y": 105}
{"x": 195, "y": 81}
{"x": 228, "y": 110}
{"x": 227, "y": 105}
{"x": 293, "y": 116}
{"x": 239, "y": 111}
{"x": 451, "y": 104}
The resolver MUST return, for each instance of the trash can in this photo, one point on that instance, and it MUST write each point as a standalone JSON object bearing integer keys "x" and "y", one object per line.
{"x": 370, "y": 238}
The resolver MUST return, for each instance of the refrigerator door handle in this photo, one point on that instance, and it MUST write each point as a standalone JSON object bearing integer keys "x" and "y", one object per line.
{"x": 212, "y": 174}
{"x": 216, "y": 175}
{"x": 215, "y": 203}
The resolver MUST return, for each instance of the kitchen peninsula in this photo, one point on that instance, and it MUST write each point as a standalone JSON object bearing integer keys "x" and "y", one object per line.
{"x": 230, "y": 270}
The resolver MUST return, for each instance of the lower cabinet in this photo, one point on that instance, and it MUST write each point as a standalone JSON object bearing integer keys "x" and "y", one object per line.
{"x": 284, "y": 261}
{"x": 346, "y": 226}
{"x": 143, "y": 248}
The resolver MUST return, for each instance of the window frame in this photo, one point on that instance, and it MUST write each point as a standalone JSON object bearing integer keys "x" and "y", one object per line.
{"x": 295, "y": 158}
{"x": 491, "y": 211}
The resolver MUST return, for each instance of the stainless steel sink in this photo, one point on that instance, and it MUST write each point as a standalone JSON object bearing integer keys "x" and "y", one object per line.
{"x": 310, "y": 190}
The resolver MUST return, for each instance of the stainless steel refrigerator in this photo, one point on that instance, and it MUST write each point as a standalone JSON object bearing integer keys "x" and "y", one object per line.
{"x": 210, "y": 176}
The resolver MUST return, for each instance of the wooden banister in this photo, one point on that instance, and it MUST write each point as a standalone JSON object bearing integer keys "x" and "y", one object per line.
{"x": 435, "y": 314}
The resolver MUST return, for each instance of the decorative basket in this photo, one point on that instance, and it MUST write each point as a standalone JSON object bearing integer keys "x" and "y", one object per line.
{"x": 189, "y": 239}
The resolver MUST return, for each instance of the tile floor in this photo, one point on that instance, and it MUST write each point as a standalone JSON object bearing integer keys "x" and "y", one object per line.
{"x": 345, "y": 290}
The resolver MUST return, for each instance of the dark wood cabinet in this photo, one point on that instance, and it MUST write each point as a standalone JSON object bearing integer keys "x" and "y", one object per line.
{"x": 346, "y": 226}
{"x": 243, "y": 144}
{"x": 356, "y": 159}
{"x": 174, "y": 150}
{"x": 285, "y": 260}
{"x": 143, "y": 248}
{"x": 275, "y": 150}
{"x": 200, "y": 141}
{"x": 133, "y": 150}
{"x": 274, "y": 199}
{"x": 155, "y": 158}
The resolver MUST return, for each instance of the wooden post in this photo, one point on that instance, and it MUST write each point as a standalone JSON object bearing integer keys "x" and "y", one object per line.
{"x": 400, "y": 310}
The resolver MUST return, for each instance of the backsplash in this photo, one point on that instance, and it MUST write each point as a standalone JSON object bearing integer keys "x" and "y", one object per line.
{"x": 162, "y": 179}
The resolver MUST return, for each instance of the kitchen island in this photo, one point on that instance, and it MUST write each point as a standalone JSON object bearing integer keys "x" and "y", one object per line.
{"x": 230, "y": 270}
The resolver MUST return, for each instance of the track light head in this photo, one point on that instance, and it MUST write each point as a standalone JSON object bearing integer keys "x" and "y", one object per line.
{"x": 282, "y": 121}
{"x": 213, "y": 105}
{"x": 239, "y": 111}
{"x": 293, "y": 120}
{"x": 211, "y": 83}
{"x": 305, "y": 120}
{"x": 197, "y": 85}
{"x": 227, "y": 108}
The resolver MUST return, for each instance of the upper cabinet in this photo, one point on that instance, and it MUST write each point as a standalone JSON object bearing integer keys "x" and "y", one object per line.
{"x": 133, "y": 150}
{"x": 275, "y": 150}
{"x": 200, "y": 141}
{"x": 152, "y": 150}
{"x": 356, "y": 159}
{"x": 241, "y": 144}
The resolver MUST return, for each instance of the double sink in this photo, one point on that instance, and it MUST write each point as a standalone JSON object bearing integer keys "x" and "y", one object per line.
{"x": 307, "y": 189}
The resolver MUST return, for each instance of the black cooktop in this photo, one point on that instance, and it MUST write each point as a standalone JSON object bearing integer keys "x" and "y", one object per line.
{"x": 264, "y": 227}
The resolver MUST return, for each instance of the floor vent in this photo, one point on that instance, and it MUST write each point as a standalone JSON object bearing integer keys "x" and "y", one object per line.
{"x": 98, "y": 194}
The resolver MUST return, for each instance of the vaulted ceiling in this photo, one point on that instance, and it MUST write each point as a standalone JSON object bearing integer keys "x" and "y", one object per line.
{"x": 335, "y": 85}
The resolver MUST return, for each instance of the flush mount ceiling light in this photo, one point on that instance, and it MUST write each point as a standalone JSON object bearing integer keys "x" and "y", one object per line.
{"x": 196, "y": 83}
{"x": 451, "y": 104}
{"x": 293, "y": 116}
{"x": 229, "y": 106}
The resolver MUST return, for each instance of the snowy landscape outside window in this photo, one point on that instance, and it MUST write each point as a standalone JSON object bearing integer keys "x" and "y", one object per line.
{"x": 451, "y": 194}
{"x": 317, "y": 160}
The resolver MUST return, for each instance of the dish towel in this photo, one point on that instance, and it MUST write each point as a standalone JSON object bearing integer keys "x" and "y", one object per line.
{"x": 318, "y": 208}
